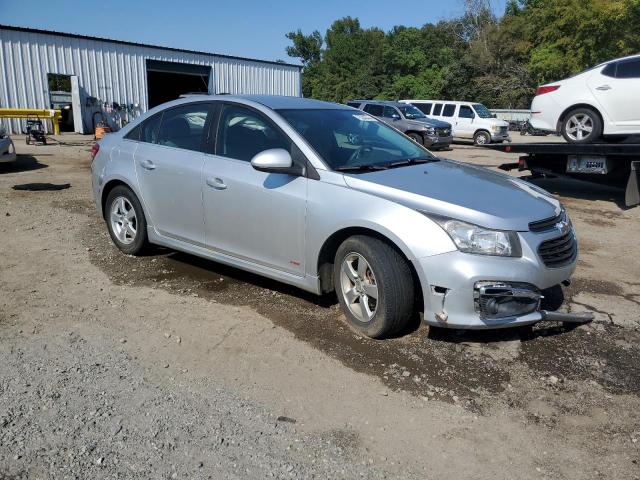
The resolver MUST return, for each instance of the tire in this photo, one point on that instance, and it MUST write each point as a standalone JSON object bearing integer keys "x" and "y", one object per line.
{"x": 575, "y": 123}
{"x": 386, "y": 270}
{"x": 482, "y": 137}
{"x": 416, "y": 137}
{"x": 120, "y": 201}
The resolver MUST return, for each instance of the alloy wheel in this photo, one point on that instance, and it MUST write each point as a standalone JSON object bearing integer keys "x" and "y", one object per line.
{"x": 124, "y": 222}
{"x": 358, "y": 286}
{"x": 579, "y": 126}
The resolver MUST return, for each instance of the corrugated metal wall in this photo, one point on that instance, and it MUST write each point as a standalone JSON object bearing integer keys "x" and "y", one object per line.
{"x": 115, "y": 72}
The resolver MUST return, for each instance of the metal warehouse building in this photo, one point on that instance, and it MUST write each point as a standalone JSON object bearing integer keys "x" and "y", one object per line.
{"x": 96, "y": 79}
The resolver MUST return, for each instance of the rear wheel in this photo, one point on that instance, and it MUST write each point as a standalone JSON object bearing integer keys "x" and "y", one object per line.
{"x": 374, "y": 286}
{"x": 416, "y": 137}
{"x": 581, "y": 125}
{"x": 125, "y": 220}
{"x": 482, "y": 138}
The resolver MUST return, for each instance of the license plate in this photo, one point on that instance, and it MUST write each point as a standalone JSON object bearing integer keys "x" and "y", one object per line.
{"x": 587, "y": 164}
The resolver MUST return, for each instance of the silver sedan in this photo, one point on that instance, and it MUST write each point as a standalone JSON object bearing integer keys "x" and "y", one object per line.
{"x": 328, "y": 198}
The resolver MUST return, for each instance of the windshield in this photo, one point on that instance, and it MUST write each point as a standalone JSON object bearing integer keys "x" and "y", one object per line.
{"x": 348, "y": 139}
{"x": 411, "y": 112}
{"x": 482, "y": 111}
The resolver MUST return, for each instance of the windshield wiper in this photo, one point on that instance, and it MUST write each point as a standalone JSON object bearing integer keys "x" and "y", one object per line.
{"x": 411, "y": 161}
{"x": 361, "y": 168}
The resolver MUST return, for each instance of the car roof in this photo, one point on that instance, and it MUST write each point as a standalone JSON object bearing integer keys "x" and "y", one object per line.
{"x": 391, "y": 103}
{"x": 455, "y": 102}
{"x": 274, "y": 102}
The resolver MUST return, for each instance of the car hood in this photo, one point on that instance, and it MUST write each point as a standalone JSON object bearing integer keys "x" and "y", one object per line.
{"x": 465, "y": 192}
{"x": 431, "y": 122}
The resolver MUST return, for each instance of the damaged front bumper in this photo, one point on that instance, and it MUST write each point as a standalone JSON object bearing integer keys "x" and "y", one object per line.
{"x": 479, "y": 292}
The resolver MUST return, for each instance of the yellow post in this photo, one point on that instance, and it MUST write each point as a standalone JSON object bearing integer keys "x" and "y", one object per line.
{"x": 46, "y": 113}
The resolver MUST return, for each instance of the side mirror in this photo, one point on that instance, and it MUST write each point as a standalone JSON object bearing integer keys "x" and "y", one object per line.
{"x": 276, "y": 160}
{"x": 395, "y": 116}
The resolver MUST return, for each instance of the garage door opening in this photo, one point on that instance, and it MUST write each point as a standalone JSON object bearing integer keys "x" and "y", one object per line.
{"x": 166, "y": 81}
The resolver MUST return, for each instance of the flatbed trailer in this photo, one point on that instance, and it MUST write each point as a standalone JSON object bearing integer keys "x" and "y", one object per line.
{"x": 614, "y": 164}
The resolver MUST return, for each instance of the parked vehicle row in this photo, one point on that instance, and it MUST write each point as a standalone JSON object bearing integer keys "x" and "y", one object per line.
{"x": 409, "y": 120}
{"x": 469, "y": 120}
{"x": 327, "y": 198}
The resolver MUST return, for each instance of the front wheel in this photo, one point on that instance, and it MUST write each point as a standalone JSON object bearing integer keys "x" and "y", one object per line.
{"x": 374, "y": 286}
{"x": 581, "y": 125}
{"x": 482, "y": 138}
{"x": 416, "y": 137}
{"x": 125, "y": 221}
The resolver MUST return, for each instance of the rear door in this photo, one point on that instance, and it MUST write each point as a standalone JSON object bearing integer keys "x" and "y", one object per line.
{"x": 616, "y": 87}
{"x": 251, "y": 215}
{"x": 169, "y": 161}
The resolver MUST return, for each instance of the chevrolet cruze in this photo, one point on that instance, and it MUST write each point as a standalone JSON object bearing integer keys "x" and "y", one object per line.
{"x": 328, "y": 198}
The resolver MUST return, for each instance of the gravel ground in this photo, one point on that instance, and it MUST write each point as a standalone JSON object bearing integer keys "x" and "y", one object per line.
{"x": 168, "y": 366}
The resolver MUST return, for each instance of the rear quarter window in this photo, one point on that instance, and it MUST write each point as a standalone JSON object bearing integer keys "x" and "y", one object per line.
{"x": 423, "y": 107}
{"x": 437, "y": 108}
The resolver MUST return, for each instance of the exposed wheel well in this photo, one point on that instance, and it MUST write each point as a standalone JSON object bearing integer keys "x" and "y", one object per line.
{"x": 484, "y": 130}
{"x": 105, "y": 192}
{"x": 573, "y": 107}
{"x": 330, "y": 247}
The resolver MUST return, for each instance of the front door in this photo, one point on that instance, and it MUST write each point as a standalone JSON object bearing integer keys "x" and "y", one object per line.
{"x": 616, "y": 88}
{"x": 464, "y": 122}
{"x": 169, "y": 161}
{"x": 251, "y": 215}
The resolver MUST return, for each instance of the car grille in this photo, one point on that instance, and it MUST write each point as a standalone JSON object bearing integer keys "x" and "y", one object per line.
{"x": 503, "y": 131}
{"x": 443, "y": 132}
{"x": 559, "y": 251}
{"x": 547, "y": 223}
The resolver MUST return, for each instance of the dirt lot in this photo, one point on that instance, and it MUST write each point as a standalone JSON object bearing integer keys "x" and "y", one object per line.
{"x": 168, "y": 366}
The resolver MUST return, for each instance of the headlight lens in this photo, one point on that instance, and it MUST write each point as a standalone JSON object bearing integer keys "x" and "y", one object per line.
{"x": 483, "y": 241}
{"x": 495, "y": 128}
{"x": 429, "y": 130}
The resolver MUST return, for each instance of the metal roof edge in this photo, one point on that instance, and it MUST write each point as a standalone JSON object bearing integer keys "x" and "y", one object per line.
{"x": 146, "y": 45}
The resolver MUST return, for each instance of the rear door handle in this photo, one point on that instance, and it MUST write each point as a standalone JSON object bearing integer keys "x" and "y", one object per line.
{"x": 216, "y": 182}
{"x": 603, "y": 87}
{"x": 147, "y": 164}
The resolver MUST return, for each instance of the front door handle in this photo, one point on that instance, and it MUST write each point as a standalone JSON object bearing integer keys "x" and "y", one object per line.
{"x": 147, "y": 164}
{"x": 216, "y": 182}
{"x": 603, "y": 87}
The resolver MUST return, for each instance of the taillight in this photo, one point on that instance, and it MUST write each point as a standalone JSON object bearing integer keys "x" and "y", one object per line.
{"x": 94, "y": 150}
{"x": 547, "y": 89}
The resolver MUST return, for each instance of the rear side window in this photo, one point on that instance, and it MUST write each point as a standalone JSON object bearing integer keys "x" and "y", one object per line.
{"x": 465, "y": 112}
{"x": 375, "y": 110}
{"x": 628, "y": 69}
{"x": 354, "y": 104}
{"x": 134, "y": 134}
{"x": 183, "y": 127}
{"x": 437, "y": 108}
{"x": 243, "y": 133}
{"x": 423, "y": 107}
{"x": 149, "y": 129}
{"x": 448, "y": 110}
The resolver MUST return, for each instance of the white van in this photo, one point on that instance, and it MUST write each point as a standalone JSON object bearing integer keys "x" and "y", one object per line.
{"x": 468, "y": 119}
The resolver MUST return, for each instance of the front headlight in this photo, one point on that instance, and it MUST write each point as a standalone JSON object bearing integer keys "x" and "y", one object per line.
{"x": 483, "y": 241}
{"x": 429, "y": 130}
{"x": 495, "y": 128}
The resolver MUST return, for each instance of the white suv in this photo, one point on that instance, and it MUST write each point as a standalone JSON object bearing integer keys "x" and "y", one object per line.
{"x": 604, "y": 100}
{"x": 468, "y": 119}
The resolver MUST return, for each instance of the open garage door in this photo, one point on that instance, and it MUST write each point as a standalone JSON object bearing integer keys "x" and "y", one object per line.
{"x": 168, "y": 80}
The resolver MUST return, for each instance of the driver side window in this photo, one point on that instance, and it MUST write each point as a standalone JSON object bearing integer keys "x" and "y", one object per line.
{"x": 390, "y": 112}
{"x": 243, "y": 133}
{"x": 465, "y": 112}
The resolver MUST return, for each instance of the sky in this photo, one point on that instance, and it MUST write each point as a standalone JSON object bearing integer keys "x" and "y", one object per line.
{"x": 248, "y": 28}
